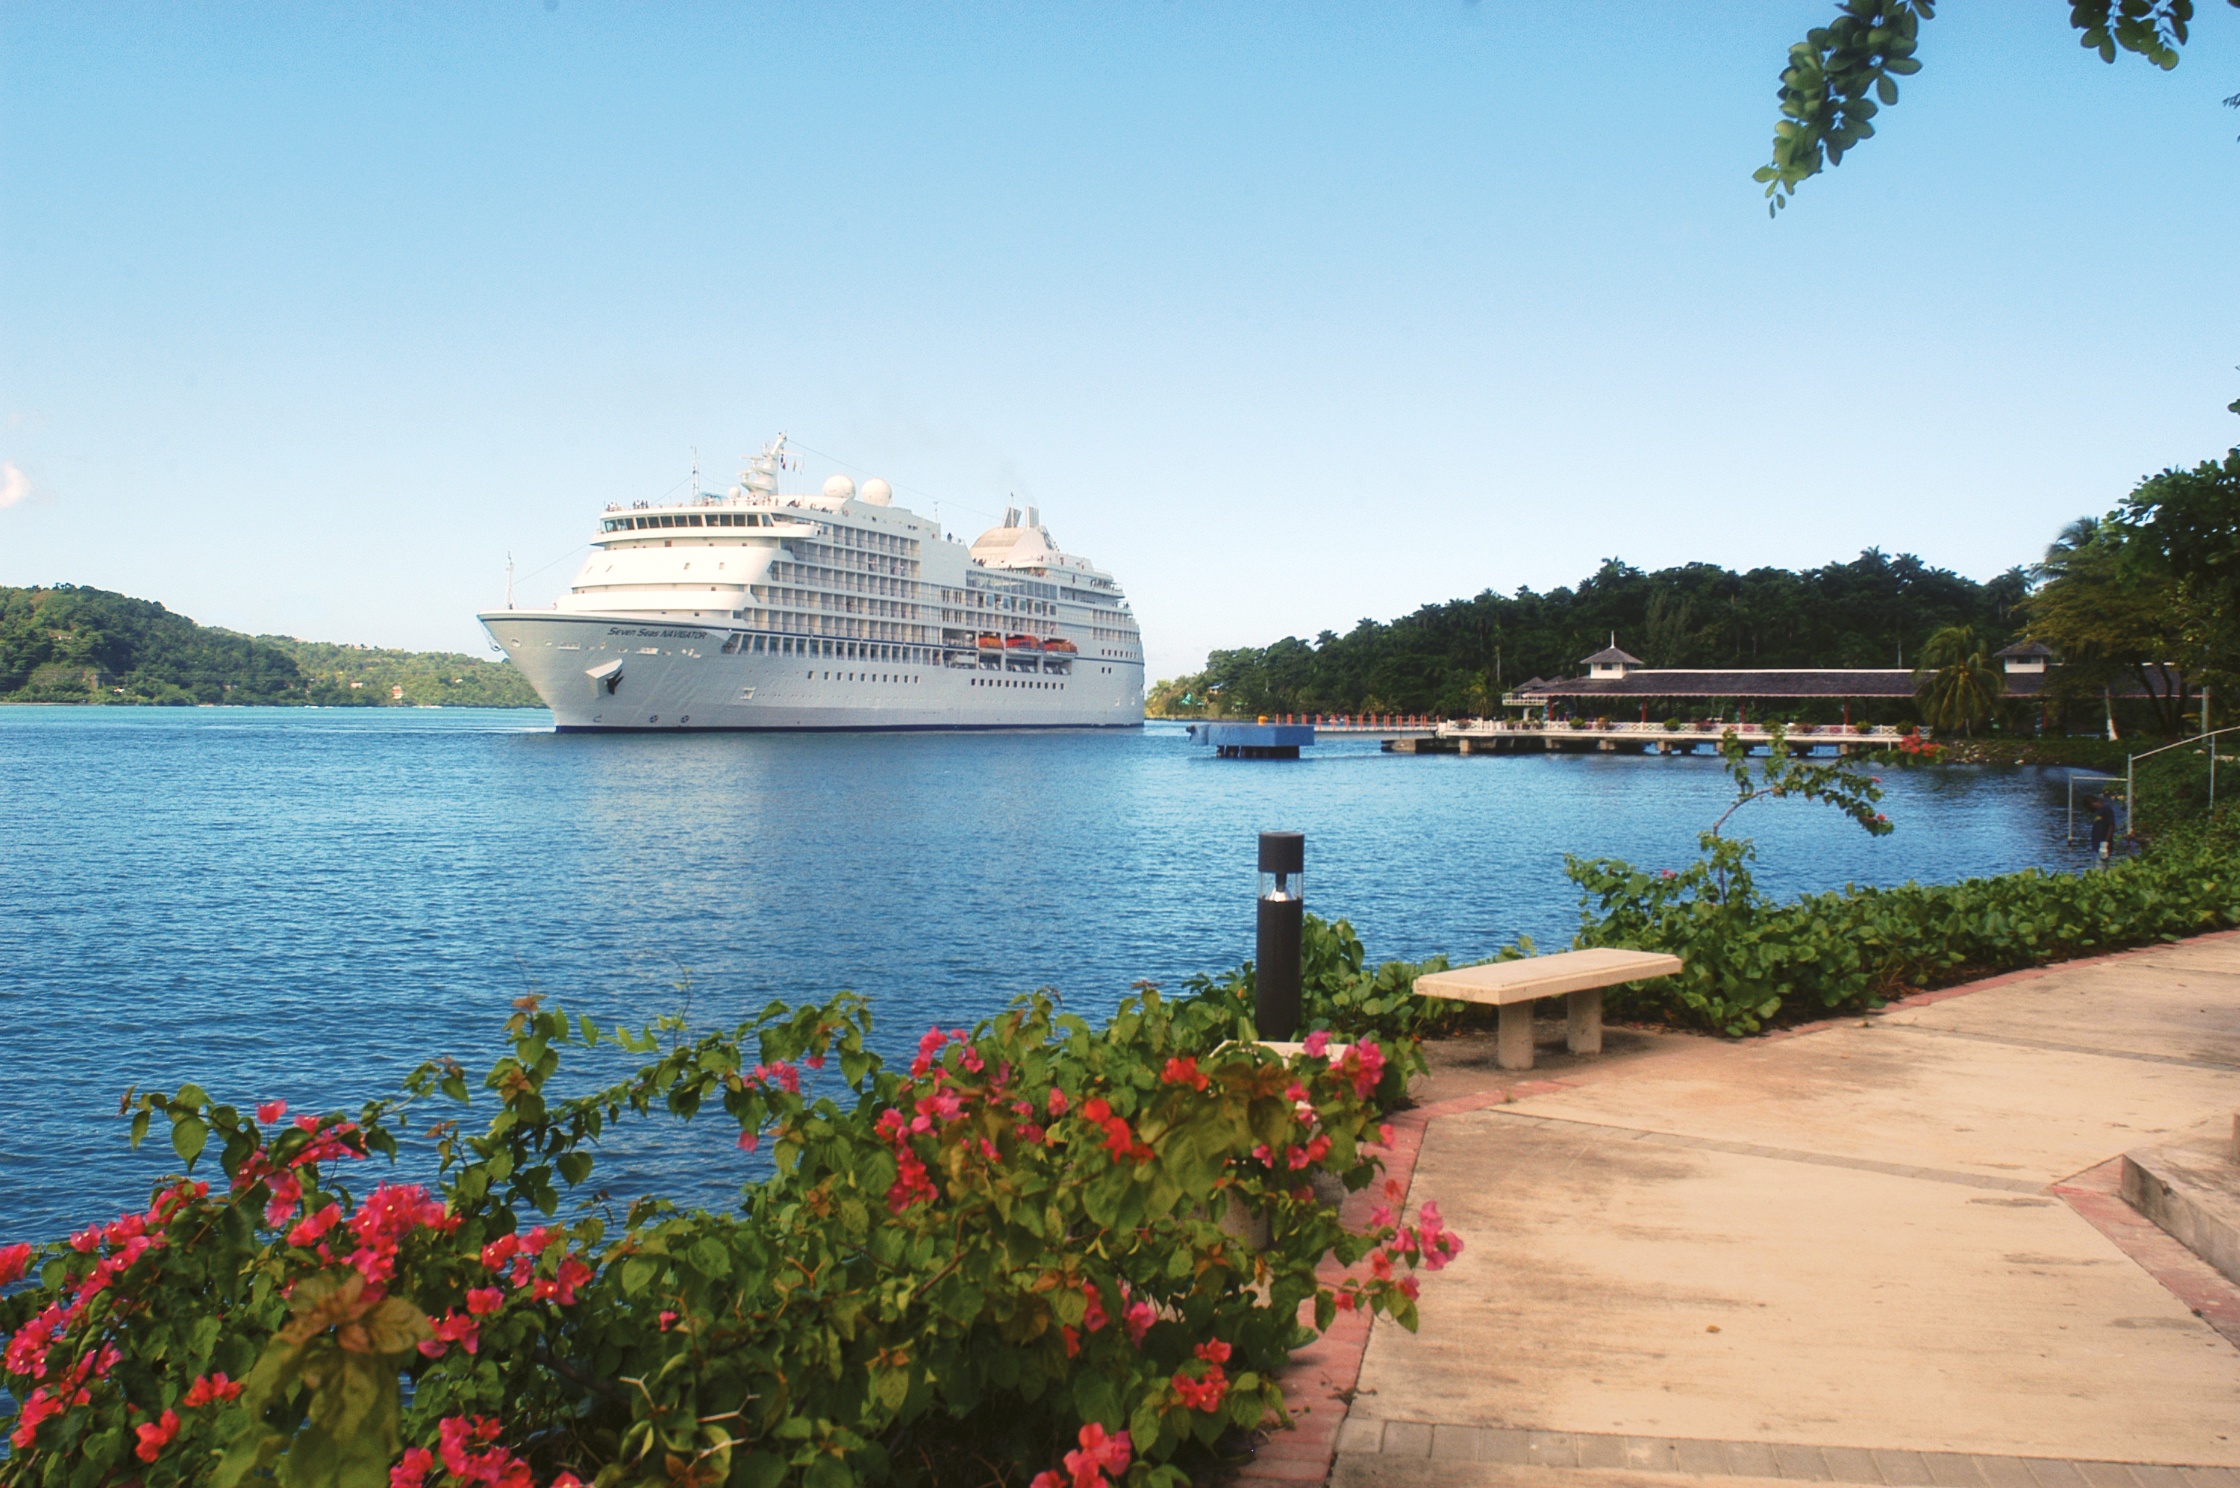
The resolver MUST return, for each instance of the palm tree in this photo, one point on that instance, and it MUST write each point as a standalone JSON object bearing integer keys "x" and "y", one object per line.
{"x": 1956, "y": 683}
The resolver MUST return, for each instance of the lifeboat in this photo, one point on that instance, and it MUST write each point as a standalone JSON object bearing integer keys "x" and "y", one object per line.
{"x": 1060, "y": 644}
{"x": 990, "y": 642}
{"x": 1021, "y": 643}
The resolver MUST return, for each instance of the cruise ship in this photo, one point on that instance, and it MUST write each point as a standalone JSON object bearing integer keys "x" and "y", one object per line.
{"x": 755, "y": 609}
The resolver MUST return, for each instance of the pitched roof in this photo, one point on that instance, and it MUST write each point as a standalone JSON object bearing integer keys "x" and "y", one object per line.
{"x": 1611, "y": 656}
{"x": 2025, "y": 650}
{"x": 1786, "y": 682}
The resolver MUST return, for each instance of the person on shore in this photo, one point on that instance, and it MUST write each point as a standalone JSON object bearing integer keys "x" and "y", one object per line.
{"x": 2103, "y": 827}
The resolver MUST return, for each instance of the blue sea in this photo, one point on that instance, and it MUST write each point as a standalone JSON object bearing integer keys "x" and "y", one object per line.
{"x": 303, "y": 904}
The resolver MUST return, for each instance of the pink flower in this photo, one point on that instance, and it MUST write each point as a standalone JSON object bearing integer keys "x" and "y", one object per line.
{"x": 14, "y": 1261}
{"x": 1317, "y": 1041}
{"x": 455, "y": 1327}
{"x": 748, "y": 1141}
{"x": 1139, "y": 1316}
{"x": 482, "y": 1301}
{"x": 271, "y": 1111}
{"x": 413, "y": 1469}
{"x": 1101, "y": 1452}
{"x": 35, "y": 1410}
{"x": 1058, "y": 1101}
{"x": 308, "y": 1230}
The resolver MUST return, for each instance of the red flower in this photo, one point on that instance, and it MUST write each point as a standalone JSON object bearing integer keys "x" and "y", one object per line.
{"x": 1184, "y": 1071}
{"x": 1101, "y": 1452}
{"x": 14, "y": 1261}
{"x": 155, "y": 1436}
{"x": 499, "y": 1251}
{"x": 482, "y": 1301}
{"x": 1216, "y": 1352}
{"x": 207, "y": 1388}
{"x": 1203, "y": 1394}
{"x": 271, "y": 1111}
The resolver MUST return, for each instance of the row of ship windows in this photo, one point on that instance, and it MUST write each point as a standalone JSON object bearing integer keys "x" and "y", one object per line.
{"x": 786, "y": 645}
{"x": 688, "y": 519}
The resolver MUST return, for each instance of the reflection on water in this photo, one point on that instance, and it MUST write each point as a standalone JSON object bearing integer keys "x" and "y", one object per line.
{"x": 304, "y": 903}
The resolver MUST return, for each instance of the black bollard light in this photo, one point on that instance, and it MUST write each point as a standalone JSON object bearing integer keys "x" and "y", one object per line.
{"x": 1283, "y": 911}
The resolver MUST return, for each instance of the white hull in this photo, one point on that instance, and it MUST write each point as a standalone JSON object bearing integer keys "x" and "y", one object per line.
{"x": 676, "y": 676}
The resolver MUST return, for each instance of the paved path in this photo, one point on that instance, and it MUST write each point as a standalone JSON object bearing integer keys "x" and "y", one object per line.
{"x": 1885, "y": 1250}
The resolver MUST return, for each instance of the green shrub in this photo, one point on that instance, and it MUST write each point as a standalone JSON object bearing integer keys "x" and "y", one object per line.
{"x": 1751, "y": 961}
{"x": 1018, "y": 1253}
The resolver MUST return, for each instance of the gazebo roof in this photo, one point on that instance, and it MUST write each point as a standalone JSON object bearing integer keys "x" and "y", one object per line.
{"x": 2025, "y": 651}
{"x": 1612, "y": 656}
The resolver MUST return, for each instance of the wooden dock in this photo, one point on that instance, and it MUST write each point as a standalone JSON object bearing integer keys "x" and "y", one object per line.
{"x": 1584, "y": 736}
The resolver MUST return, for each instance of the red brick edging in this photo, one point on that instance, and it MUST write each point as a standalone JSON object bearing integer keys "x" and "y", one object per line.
{"x": 1318, "y": 1386}
{"x": 2096, "y": 1196}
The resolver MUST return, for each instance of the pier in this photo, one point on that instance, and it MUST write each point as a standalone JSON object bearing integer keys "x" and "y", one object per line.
{"x": 1588, "y": 736}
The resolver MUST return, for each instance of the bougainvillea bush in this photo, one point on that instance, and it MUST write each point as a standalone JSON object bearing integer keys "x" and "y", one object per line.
{"x": 1016, "y": 1261}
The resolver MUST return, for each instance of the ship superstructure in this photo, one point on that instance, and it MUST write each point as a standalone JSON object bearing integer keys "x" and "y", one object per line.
{"x": 754, "y": 609}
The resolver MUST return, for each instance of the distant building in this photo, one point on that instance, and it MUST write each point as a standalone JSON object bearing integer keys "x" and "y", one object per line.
{"x": 1615, "y": 674}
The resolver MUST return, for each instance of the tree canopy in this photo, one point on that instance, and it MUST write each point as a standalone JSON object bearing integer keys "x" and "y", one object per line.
{"x": 1844, "y": 73}
{"x": 2151, "y": 591}
{"x": 1458, "y": 657}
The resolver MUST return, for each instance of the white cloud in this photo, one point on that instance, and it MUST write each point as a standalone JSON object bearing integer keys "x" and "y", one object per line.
{"x": 14, "y": 484}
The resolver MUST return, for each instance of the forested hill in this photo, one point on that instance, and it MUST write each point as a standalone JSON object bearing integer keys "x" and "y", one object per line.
{"x": 70, "y": 644}
{"x": 1456, "y": 658}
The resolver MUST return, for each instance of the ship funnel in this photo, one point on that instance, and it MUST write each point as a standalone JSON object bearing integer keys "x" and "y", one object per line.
{"x": 1011, "y": 516}
{"x": 1034, "y": 516}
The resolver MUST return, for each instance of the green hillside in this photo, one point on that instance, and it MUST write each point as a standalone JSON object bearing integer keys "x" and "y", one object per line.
{"x": 69, "y": 644}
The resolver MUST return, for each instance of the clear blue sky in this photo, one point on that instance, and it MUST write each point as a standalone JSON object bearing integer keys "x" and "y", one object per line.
{"x": 1288, "y": 314}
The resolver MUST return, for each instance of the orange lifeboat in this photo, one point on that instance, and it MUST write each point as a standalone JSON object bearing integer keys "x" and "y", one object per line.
{"x": 990, "y": 641}
{"x": 1022, "y": 643}
{"x": 1060, "y": 644}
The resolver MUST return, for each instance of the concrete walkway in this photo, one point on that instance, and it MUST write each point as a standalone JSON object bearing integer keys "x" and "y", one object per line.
{"x": 1886, "y": 1250}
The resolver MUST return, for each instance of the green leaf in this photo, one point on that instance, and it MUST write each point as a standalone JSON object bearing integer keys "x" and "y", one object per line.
{"x": 637, "y": 1274}
{"x": 828, "y": 1472}
{"x": 759, "y": 1470}
{"x": 187, "y": 1139}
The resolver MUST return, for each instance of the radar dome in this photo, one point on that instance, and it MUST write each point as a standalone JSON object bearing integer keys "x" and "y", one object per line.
{"x": 878, "y": 492}
{"x": 839, "y": 487}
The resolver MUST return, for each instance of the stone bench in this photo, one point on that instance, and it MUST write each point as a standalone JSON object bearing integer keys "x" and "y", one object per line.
{"x": 1513, "y": 987}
